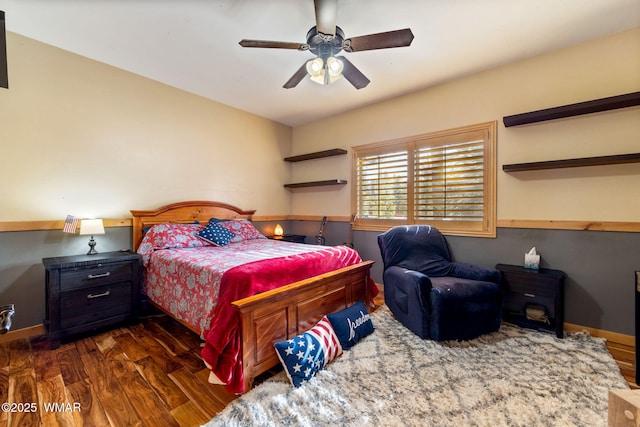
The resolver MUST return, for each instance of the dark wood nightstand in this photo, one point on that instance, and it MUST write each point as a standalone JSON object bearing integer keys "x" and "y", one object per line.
{"x": 529, "y": 294}
{"x": 295, "y": 238}
{"x": 85, "y": 292}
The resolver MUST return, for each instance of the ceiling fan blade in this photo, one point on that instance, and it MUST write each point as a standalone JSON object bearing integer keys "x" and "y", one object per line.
{"x": 326, "y": 15}
{"x": 385, "y": 40}
{"x": 297, "y": 77}
{"x": 273, "y": 44}
{"x": 353, "y": 75}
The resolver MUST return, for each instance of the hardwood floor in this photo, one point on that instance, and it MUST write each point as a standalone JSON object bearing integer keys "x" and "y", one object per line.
{"x": 624, "y": 355}
{"x": 148, "y": 374}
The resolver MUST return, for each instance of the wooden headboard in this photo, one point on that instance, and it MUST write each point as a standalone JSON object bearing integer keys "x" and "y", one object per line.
{"x": 184, "y": 212}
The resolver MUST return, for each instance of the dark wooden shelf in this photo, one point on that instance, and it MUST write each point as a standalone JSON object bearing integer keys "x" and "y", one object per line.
{"x": 316, "y": 155}
{"x": 573, "y": 163}
{"x": 316, "y": 183}
{"x": 587, "y": 107}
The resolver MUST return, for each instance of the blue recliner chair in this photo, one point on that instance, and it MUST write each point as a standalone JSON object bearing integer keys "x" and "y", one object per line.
{"x": 433, "y": 296}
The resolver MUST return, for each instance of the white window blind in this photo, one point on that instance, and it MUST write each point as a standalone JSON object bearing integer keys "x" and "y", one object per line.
{"x": 382, "y": 185}
{"x": 449, "y": 182}
{"x": 446, "y": 179}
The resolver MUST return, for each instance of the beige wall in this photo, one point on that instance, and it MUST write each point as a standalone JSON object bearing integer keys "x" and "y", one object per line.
{"x": 80, "y": 137}
{"x": 605, "y": 67}
{"x": 83, "y": 138}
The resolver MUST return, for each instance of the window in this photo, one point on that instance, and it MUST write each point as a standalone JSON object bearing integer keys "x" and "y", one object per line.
{"x": 445, "y": 179}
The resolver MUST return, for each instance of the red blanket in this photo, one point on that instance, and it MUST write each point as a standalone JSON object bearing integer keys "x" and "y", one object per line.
{"x": 222, "y": 347}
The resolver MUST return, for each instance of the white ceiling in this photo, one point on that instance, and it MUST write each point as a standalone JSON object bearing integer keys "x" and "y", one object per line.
{"x": 193, "y": 44}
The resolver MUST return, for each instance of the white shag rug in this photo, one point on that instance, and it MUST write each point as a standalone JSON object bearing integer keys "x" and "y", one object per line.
{"x": 514, "y": 377}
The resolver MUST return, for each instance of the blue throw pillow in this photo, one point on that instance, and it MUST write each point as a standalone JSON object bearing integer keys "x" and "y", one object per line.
{"x": 351, "y": 324}
{"x": 216, "y": 234}
{"x": 216, "y": 220}
{"x": 304, "y": 355}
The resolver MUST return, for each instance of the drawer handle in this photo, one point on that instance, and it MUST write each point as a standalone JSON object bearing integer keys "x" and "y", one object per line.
{"x": 104, "y": 294}
{"x": 97, "y": 276}
{"x": 530, "y": 295}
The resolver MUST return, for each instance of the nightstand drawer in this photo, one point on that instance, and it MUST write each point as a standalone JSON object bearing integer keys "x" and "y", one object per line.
{"x": 86, "y": 305}
{"x": 95, "y": 275}
{"x": 532, "y": 285}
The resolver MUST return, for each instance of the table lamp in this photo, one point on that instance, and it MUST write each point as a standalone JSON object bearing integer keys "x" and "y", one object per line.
{"x": 91, "y": 227}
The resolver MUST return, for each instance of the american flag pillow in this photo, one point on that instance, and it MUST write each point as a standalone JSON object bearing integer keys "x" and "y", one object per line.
{"x": 304, "y": 355}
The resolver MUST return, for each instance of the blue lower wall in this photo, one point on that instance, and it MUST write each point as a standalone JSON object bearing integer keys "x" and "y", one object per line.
{"x": 600, "y": 265}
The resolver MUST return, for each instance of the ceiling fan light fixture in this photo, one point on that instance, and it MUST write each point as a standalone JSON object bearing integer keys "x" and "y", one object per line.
{"x": 335, "y": 66}
{"x": 315, "y": 67}
{"x": 325, "y": 72}
{"x": 318, "y": 79}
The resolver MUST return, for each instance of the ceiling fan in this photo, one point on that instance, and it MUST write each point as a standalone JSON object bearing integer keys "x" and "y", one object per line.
{"x": 326, "y": 40}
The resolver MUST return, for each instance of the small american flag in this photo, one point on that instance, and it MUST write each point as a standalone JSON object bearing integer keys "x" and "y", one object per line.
{"x": 70, "y": 224}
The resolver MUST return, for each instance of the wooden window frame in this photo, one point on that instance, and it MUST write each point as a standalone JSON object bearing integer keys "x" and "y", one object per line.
{"x": 486, "y": 227}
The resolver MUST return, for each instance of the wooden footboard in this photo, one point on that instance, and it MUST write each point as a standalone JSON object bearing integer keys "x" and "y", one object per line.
{"x": 285, "y": 312}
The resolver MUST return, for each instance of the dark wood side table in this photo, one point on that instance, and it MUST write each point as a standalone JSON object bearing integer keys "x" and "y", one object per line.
{"x": 533, "y": 298}
{"x": 295, "y": 238}
{"x": 85, "y": 292}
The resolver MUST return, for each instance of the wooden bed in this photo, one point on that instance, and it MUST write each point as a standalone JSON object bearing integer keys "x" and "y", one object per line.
{"x": 274, "y": 315}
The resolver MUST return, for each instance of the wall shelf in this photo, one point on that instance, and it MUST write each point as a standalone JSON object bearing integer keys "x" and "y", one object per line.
{"x": 316, "y": 155}
{"x": 573, "y": 163}
{"x": 603, "y": 104}
{"x": 316, "y": 183}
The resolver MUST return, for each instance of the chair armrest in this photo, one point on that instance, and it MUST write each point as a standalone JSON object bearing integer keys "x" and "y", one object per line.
{"x": 410, "y": 281}
{"x": 474, "y": 272}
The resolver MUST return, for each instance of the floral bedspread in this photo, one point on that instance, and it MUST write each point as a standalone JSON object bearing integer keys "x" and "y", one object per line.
{"x": 185, "y": 282}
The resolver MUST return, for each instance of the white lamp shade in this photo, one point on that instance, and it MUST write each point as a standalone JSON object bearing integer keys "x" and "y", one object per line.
{"x": 278, "y": 230}
{"x": 91, "y": 227}
{"x": 335, "y": 66}
{"x": 315, "y": 67}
